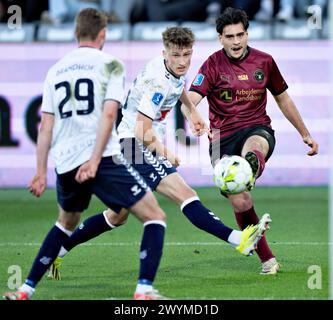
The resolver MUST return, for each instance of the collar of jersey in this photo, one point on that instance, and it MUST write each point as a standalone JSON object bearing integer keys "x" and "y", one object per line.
{"x": 91, "y": 47}
{"x": 177, "y": 77}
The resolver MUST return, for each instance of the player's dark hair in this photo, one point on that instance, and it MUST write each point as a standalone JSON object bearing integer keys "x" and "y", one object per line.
{"x": 231, "y": 16}
{"x": 180, "y": 37}
{"x": 89, "y": 22}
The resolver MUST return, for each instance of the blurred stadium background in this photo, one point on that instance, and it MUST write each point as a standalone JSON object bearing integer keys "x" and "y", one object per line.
{"x": 300, "y": 46}
{"x": 298, "y": 39}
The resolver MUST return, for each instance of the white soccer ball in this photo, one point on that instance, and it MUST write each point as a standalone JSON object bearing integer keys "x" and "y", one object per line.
{"x": 233, "y": 174}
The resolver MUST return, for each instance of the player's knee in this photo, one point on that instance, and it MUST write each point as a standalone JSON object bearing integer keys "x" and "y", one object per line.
{"x": 256, "y": 142}
{"x": 241, "y": 202}
{"x": 154, "y": 212}
{"x": 69, "y": 220}
{"x": 175, "y": 188}
{"x": 117, "y": 219}
{"x": 190, "y": 193}
{"x": 148, "y": 209}
{"x": 184, "y": 193}
{"x": 120, "y": 222}
{"x": 158, "y": 214}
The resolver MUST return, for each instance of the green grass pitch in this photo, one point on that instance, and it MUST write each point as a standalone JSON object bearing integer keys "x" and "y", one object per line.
{"x": 195, "y": 265}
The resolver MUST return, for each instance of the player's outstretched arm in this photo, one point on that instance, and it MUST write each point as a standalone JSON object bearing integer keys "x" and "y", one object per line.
{"x": 189, "y": 102}
{"x": 197, "y": 123}
{"x": 290, "y": 111}
{"x": 37, "y": 184}
{"x": 88, "y": 170}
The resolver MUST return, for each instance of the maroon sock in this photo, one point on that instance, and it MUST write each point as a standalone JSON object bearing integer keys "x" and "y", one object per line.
{"x": 262, "y": 162}
{"x": 250, "y": 217}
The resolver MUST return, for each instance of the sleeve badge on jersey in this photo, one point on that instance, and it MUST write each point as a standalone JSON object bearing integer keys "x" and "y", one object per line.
{"x": 198, "y": 79}
{"x": 157, "y": 98}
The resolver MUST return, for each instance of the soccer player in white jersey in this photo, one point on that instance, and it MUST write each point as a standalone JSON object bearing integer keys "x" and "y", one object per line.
{"x": 82, "y": 94}
{"x": 154, "y": 93}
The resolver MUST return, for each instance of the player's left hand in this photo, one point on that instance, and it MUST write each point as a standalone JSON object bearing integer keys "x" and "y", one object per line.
{"x": 86, "y": 171}
{"x": 174, "y": 160}
{"x": 312, "y": 144}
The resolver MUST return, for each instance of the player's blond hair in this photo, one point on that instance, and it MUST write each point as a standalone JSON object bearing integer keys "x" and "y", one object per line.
{"x": 180, "y": 37}
{"x": 89, "y": 22}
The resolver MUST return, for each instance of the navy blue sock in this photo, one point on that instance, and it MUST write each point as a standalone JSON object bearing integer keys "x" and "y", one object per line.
{"x": 151, "y": 250}
{"x": 88, "y": 229}
{"x": 46, "y": 255}
{"x": 204, "y": 219}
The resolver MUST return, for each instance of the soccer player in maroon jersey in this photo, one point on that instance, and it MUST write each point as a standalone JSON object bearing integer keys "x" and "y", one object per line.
{"x": 235, "y": 81}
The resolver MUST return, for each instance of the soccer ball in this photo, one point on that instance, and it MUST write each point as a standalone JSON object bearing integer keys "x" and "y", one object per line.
{"x": 233, "y": 174}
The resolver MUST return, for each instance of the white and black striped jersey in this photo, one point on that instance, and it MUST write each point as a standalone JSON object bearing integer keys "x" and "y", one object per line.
{"x": 154, "y": 93}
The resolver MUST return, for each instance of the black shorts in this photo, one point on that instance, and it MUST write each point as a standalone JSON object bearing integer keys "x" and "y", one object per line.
{"x": 233, "y": 144}
{"x": 151, "y": 167}
{"x": 117, "y": 184}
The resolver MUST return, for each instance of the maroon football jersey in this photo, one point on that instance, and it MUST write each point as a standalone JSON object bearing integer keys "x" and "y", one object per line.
{"x": 236, "y": 90}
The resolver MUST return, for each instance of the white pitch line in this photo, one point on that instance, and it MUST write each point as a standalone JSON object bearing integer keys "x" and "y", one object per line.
{"x": 175, "y": 244}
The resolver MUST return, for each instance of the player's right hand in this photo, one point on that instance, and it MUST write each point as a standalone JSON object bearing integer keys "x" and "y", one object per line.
{"x": 37, "y": 185}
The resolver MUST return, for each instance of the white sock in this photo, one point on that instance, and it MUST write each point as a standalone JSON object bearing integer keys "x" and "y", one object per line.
{"x": 62, "y": 252}
{"x": 68, "y": 232}
{"x": 142, "y": 288}
{"x": 25, "y": 288}
{"x": 235, "y": 238}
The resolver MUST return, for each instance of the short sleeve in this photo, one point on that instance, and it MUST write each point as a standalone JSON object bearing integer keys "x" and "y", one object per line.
{"x": 202, "y": 83}
{"x": 116, "y": 85}
{"x": 276, "y": 84}
{"x": 47, "y": 101}
{"x": 152, "y": 98}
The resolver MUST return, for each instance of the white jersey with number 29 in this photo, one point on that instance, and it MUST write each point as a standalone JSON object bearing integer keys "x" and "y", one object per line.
{"x": 154, "y": 93}
{"x": 74, "y": 92}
